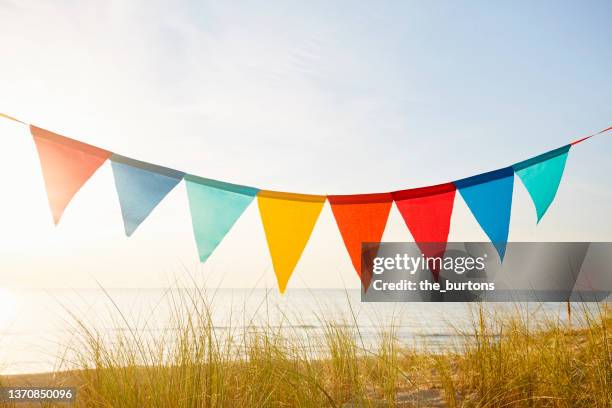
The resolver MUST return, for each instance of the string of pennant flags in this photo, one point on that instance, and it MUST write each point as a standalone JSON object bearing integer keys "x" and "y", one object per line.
{"x": 289, "y": 218}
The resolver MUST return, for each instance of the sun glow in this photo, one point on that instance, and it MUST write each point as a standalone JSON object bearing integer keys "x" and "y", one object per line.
{"x": 8, "y": 307}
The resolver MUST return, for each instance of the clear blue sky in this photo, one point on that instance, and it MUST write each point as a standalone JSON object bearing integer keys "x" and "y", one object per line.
{"x": 311, "y": 97}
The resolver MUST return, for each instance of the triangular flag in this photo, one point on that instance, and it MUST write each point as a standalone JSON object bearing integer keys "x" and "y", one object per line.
{"x": 489, "y": 197}
{"x": 215, "y": 207}
{"x": 427, "y": 213}
{"x": 140, "y": 187}
{"x": 288, "y": 220}
{"x": 541, "y": 176}
{"x": 66, "y": 165}
{"x": 361, "y": 218}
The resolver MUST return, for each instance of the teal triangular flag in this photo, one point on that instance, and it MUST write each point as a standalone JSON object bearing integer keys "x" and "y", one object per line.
{"x": 215, "y": 206}
{"x": 140, "y": 186}
{"x": 541, "y": 176}
{"x": 489, "y": 197}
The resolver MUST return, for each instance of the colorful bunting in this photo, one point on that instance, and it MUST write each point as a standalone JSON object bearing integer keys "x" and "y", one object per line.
{"x": 66, "y": 165}
{"x": 215, "y": 206}
{"x": 361, "y": 218}
{"x": 427, "y": 213}
{"x": 541, "y": 176}
{"x": 140, "y": 187}
{"x": 489, "y": 197}
{"x": 288, "y": 220}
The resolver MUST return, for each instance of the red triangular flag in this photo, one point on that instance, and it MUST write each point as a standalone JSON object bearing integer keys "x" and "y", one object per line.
{"x": 361, "y": 218}
{"x": 66, "y": 165}
{"x": 427, "y": 213}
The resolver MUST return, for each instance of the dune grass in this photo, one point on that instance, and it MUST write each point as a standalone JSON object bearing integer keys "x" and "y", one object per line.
{"x": 503, "y": 361}
{"x": 511, "y": 361}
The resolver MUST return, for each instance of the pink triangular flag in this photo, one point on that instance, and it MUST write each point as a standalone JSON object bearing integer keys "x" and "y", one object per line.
{"x": 66, "y": 165}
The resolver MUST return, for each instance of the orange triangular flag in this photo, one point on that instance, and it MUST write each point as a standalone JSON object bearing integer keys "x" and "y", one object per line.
{"x": 361, "y": 218}
{"x": 66, "y": 165}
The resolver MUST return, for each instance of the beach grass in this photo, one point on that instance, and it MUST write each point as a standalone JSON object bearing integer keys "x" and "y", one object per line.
{"x": 502, "y": 360}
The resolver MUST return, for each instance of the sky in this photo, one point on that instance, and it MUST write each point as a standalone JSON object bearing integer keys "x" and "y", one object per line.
{"x": 309, "y": 97}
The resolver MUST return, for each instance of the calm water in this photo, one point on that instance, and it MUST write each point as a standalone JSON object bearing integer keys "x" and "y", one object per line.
{"x": 35, "y": 324}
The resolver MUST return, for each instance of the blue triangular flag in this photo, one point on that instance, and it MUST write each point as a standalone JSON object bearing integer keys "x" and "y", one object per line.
{"x": 140, "y": 186}
{"x": 541, "y": 176}
{"x": 215, "y": 206}
{"x": 489, "y": 197}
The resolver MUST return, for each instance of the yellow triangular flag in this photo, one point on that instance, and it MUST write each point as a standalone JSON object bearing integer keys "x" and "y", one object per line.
{"x": 288, "y": 220}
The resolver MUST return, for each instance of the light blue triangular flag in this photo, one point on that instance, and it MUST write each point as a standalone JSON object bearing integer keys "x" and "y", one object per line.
{"x": 541, "y": 176}
{"x": 215, "y": 206}
{"x": 140, "y": 186}
{"x": 489, "y": 197}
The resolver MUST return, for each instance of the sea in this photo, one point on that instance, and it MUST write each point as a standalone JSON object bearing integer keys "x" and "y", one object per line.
{"x": 37, "y": 326}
